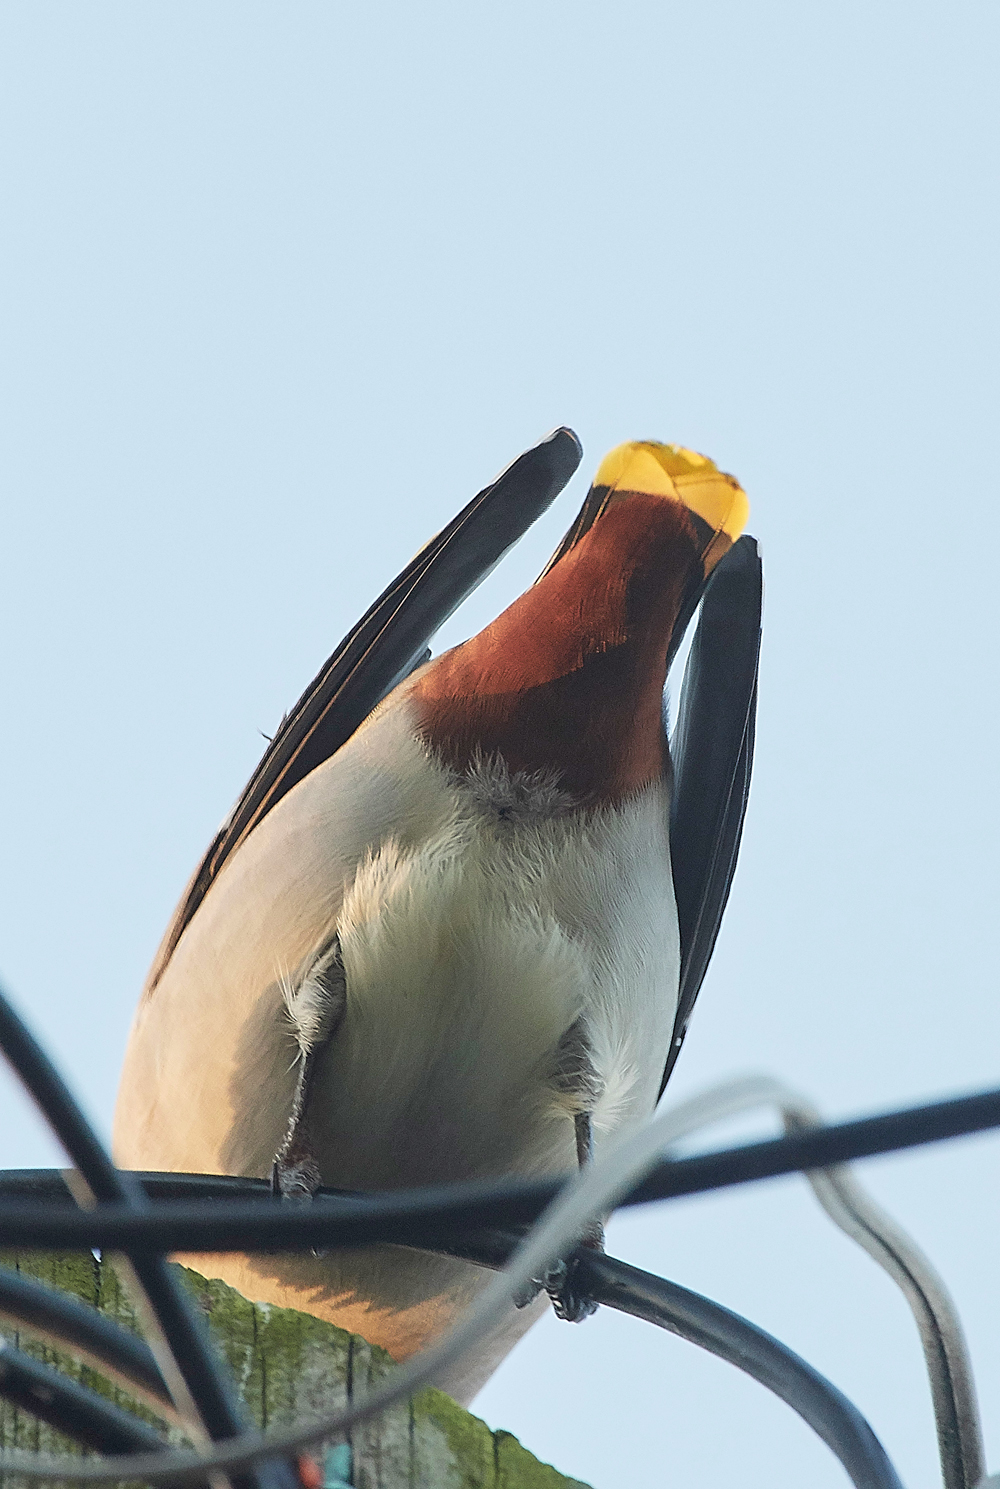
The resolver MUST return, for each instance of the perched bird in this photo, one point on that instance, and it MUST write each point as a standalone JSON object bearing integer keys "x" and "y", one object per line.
{"x": 454, "y": 926}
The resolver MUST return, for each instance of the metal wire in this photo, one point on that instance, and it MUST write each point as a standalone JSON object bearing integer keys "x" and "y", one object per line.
{"x": 590, "y": 1194}
{"x": 684, "y": 1313}
{"x": 608, "y": 1183}
{"x": 732, "y": 1338}
{"x": 61, "y": 1322}
{"x": 494, "y": 1248}
{"x": 72, "y": 1408}
{"x": 429, "y": 1218}
{"x": 78, "y": 1412}
{"x": 949, "y": 1369}
{"x": 198, "y": 1385}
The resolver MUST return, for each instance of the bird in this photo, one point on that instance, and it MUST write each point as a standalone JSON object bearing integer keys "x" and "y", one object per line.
{"x": 454, "y": 926}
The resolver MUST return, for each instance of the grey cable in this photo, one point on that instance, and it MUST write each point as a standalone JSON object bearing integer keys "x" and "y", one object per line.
{"x": 849, "y": 1206}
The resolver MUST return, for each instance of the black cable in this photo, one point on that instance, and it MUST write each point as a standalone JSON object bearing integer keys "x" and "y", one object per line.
{"x": 192, "y": 1351}
{"x": 820, "y": 1147}
{"x": 490, "y": 1248}
{"x": 733, "y": 1338}
{"x": 49, "y": 1186}
{"x": 73, "y": 1409}
{"x": 436, "y": 1218}
{"x": 64, "y": 1323}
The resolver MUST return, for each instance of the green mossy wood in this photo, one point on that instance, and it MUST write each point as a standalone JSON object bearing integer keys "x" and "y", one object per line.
{"x": 287, "y": 1366}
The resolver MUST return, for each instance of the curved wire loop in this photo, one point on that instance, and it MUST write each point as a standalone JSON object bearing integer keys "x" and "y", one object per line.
{"x": 588, "y": 1195}
{"x": 72, "y": 1408}
{"x": 68, "y": 1325}
{"x": 63, "y": 1323}
{"x": 197, "y": 1383}
{"x": 615, "y": 1178}
{"x": 734, "y": 1339}
{"x": 608, "y": 1281}
{"x": 594, "y": 1192}
{"x": 90, "y": 1420}
{"x": 849, "y": 1206}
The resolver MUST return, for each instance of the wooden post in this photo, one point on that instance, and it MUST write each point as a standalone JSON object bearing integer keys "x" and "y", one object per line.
{"x": 289, "y": 1365}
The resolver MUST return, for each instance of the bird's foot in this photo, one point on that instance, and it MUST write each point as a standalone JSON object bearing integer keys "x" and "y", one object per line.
{"x": 569, "y": 1301}
{"x": 294, "y": 1180}
{"x": 297, "y": 1182}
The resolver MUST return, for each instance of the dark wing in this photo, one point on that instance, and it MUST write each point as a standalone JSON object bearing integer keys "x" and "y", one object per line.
{"x": 712, "y": 751}
{"x": 385, "y": 645}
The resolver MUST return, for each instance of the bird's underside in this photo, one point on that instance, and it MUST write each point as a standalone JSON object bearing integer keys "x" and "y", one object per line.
{"x": 449, "y": 948}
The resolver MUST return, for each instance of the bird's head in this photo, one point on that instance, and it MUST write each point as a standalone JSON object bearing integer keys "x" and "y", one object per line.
{"x": 572, "y": 673}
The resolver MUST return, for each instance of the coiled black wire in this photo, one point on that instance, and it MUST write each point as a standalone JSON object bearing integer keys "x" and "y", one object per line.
{"x": 71, "y": 1408}
{"x": 722, "y": 1332}
{"x": 210, "y": 1390}
{"x": 61, "y": 1322}
{"x": 480, "y": 1222}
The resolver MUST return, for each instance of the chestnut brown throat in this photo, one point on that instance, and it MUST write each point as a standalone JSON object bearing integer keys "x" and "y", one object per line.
{"x": 570, "y": 677}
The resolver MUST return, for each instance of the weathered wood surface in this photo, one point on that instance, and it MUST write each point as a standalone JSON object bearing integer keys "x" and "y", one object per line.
{"x": 287, "y": 1366}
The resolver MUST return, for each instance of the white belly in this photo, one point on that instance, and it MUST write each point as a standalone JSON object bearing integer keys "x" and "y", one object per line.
{"x": 466, "y": 960}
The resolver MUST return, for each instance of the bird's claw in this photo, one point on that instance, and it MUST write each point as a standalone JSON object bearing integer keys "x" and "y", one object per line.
{"x": 569, "y": 1301}
{"x": 296, "y": 1182}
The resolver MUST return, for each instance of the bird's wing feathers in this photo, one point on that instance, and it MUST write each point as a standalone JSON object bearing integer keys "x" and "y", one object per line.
{"x": 713, "y": 755}
{"x": 385, "y": 645}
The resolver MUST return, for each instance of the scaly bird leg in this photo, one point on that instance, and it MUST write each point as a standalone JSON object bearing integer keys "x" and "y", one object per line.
{"x": 567, "y": 1301}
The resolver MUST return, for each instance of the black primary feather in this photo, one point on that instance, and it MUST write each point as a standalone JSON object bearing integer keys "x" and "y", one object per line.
{"x": 712, "y": 752}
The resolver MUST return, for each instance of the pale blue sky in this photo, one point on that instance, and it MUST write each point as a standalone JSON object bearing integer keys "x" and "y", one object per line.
{"x": 283, "y": 285}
